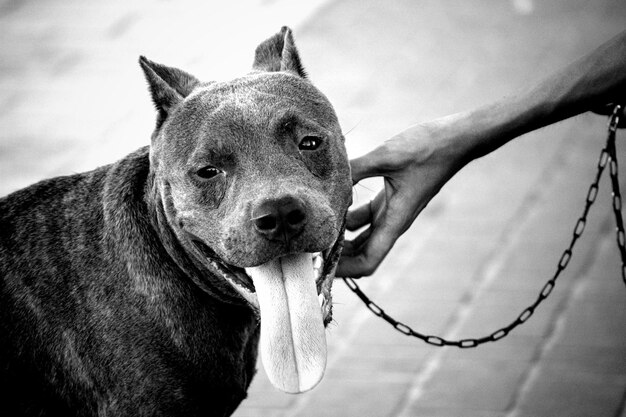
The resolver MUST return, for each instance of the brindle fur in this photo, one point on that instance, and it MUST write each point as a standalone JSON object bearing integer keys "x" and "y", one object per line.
{"x": 107, "y": 307}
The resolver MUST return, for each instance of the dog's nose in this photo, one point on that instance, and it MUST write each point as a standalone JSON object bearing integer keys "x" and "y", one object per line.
{"x": 279, "y": 219}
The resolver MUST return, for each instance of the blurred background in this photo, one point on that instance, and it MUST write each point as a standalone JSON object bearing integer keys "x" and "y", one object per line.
{"x": 73, "y": 98}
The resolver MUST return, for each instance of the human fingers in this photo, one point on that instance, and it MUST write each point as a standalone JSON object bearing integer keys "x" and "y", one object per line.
{"x": 366, "y": 252}
{"x": 366, "y": 213}
{"x": 372, "y": 164}
{"x": 360, "y": 168}
{"x": 359, "y": 216}
{"x": 353, "y": 246}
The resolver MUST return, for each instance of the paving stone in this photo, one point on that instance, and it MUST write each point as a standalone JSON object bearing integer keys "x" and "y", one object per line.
{"x": 339, "y": 397}
{"x": 472, "y": 385}
{"x": 454, "y": 412}
{"x": 372, "y": 361}
{"x": 570, "y": 392}
{"x": 595, "y": 324}
{"x": 495, "y": 310}
{"x": 609, "y": 360}
{"x": 269, "y": 398}
{"x": 250, "y": 411}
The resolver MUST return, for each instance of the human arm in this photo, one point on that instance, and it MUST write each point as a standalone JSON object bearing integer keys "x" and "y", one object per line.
{"x": 417, "y": 162}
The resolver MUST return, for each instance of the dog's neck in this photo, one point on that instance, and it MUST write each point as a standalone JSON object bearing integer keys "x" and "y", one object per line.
{"x": 179, "y": 247}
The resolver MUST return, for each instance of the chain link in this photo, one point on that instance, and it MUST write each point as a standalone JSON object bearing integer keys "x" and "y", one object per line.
{"x": 608, "y": 155}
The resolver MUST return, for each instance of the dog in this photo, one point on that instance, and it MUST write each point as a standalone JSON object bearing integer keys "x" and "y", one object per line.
{"x": 147, "y": 287}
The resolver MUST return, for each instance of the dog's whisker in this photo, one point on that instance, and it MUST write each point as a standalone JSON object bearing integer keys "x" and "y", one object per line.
{"x": 364, "y": 186}
{"x": 352, "y": 128}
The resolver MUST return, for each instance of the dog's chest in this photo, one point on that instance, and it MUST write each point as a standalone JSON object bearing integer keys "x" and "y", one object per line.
{"x": 204, "y": 368}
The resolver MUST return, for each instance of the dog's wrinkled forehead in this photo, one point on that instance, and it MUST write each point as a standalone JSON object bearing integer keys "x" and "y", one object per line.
{"x": 267, "y": 88}
{"x": 264, "y": 98}
{"x": 237, "y": 112}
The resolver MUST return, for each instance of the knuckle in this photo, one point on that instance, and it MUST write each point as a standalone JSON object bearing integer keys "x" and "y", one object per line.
{"x": 369, "y": 266}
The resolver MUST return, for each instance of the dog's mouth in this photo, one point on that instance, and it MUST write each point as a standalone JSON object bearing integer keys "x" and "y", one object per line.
{"x": 292, "y": 294}
{"x": 243, "y": 281}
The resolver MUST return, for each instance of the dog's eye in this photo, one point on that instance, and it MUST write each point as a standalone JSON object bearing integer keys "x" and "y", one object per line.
{"x": 310, "y": 143}
{"x": 208, "y": 172}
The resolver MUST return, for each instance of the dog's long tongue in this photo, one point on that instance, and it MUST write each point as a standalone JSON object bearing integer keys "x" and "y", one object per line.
{"x": 293, "y": 340}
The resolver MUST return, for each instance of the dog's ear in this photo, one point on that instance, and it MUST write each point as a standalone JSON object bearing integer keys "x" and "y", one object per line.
{"x": 279, "y": 53}
{"x": 168, "y": 86}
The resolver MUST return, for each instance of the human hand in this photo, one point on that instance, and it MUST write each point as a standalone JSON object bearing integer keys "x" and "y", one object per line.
{"x": 415, "y": 164}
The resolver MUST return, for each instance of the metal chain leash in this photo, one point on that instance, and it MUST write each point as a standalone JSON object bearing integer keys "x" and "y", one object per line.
{"x": 614, "y": 123}
{"x": 608, "y": 155}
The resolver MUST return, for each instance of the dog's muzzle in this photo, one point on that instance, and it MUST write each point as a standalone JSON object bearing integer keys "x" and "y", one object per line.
{"x": 292, "y": 295}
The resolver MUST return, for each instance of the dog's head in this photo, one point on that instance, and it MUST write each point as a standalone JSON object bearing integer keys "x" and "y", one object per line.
{"x": 253, "y": 178}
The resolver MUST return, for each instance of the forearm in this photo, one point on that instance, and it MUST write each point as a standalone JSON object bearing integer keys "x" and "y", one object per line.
{"x": 418, "y": 161}
{"x": 597, "y": 79}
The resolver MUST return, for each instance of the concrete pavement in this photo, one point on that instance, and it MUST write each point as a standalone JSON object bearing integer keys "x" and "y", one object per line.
{"x": 73, "y": 98}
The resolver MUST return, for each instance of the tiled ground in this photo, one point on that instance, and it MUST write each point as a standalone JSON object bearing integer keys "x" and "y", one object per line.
{"x": 73, "y": 97}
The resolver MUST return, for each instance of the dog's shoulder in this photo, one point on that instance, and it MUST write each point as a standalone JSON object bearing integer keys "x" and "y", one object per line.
{"x": 68, "y": 204}
{"x": 50, "y": 227}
